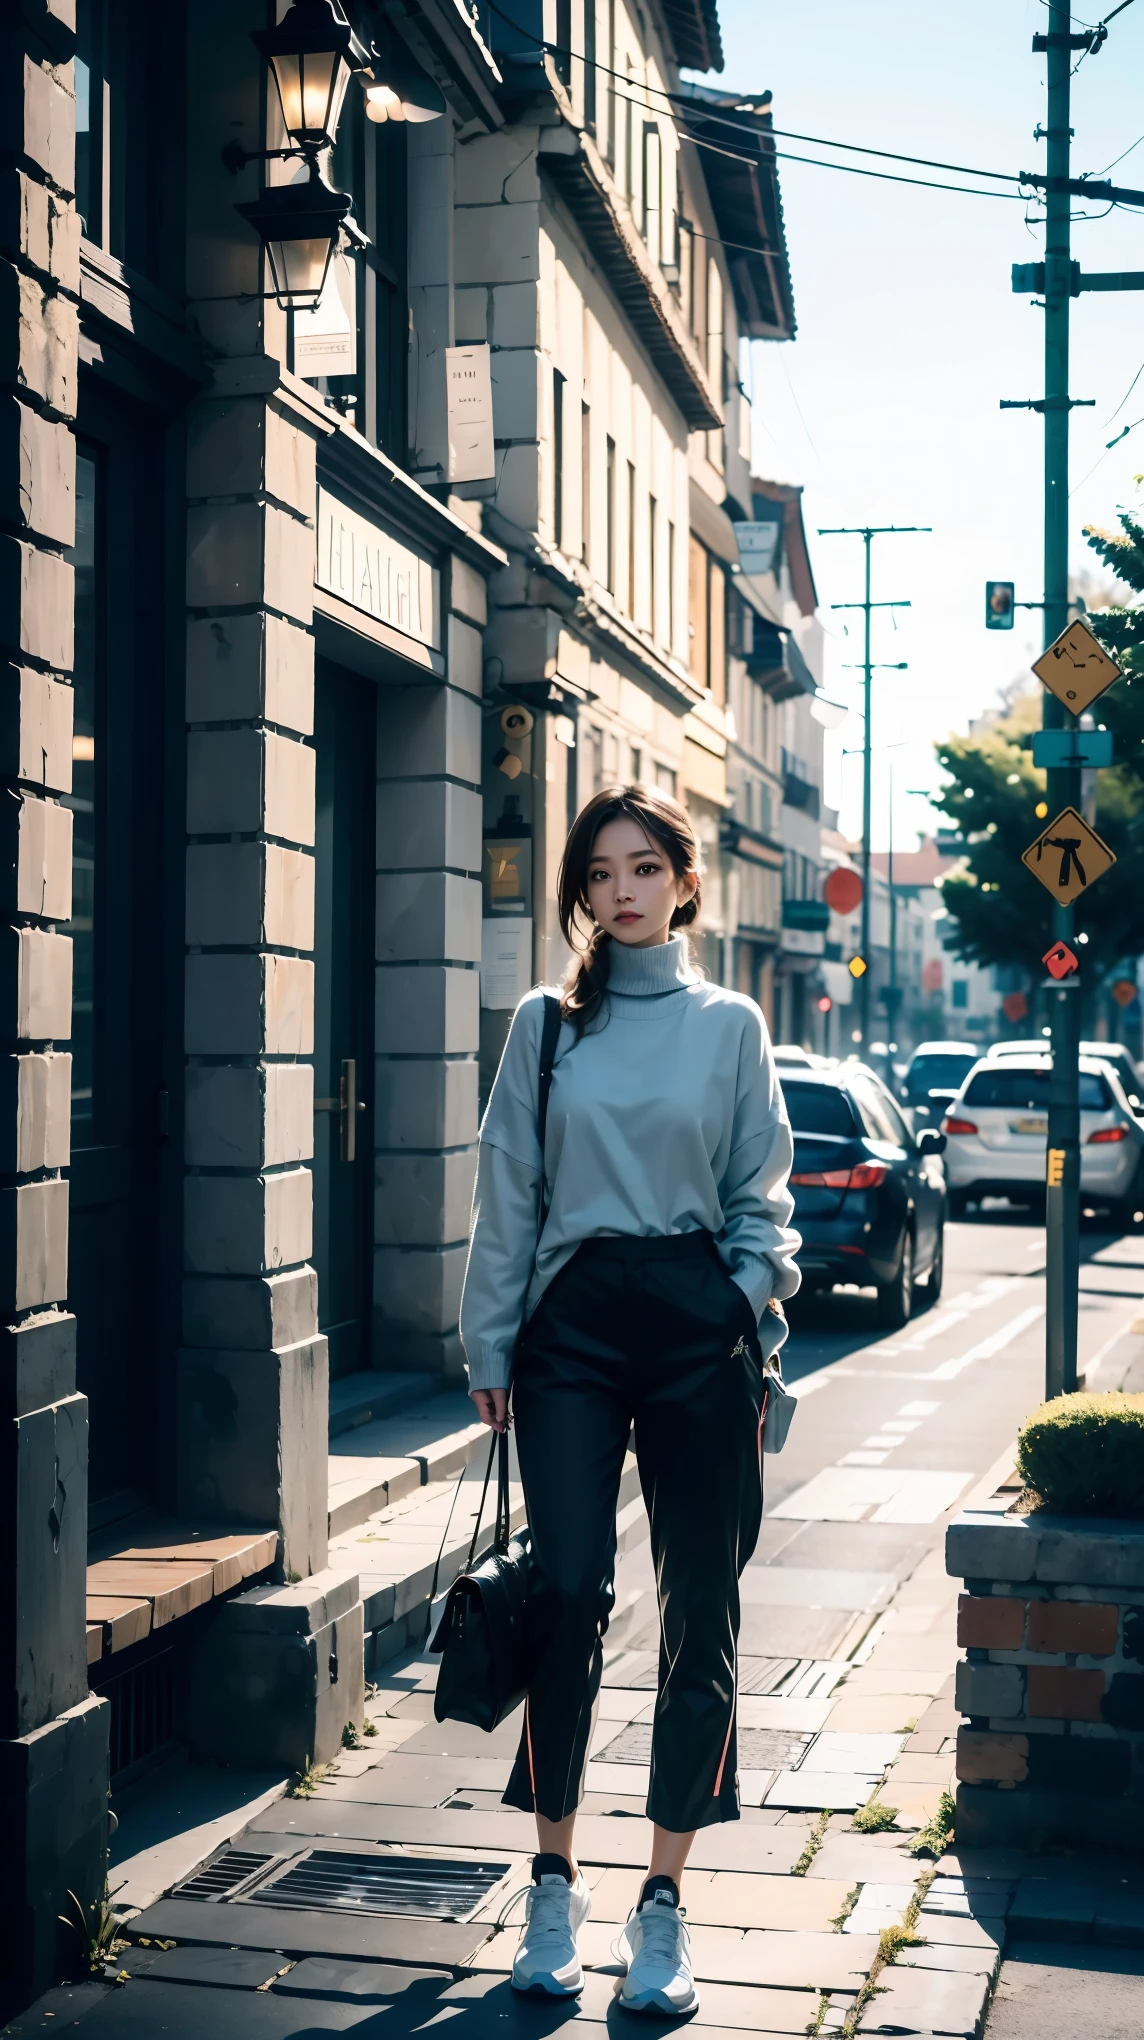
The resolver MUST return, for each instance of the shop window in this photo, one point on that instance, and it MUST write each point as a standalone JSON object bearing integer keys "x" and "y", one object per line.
{"x": 665, "y": 779}
{"x": 125, "y": 137}
{"x": 354, "y": 345}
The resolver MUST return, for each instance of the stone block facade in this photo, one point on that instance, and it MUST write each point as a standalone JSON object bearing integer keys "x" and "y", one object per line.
{"x": 53, "y": 1737}
{"x": 1052, "y": 1682}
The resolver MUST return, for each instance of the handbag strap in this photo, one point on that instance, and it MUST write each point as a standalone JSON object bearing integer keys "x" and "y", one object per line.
{"x": 549, "y": 1038}
{"x": 449, "y": 1520}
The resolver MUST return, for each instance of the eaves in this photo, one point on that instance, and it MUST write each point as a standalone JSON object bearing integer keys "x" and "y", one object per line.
{"x": 569, "y": 156}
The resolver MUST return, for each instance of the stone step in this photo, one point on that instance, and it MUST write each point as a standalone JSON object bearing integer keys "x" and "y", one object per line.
{"x": 360, "y": 1398}
{"x": 380, "y": 1462}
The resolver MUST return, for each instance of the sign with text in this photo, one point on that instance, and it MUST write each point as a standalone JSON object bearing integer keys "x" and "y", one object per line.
{"x": 1076, "y": 668}
{"x": 325, "y": 337}
{"x": 469, "y": 392}
{"x": 506, "y": 963}
{"x": 375, "y": 572}
{"x": 1068, "y": 857}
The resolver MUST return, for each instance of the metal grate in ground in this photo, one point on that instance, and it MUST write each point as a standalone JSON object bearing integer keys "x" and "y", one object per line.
{"x": 223, "y": 1877}
{"x": 760, "y": 1749}
{"x": 328, "y": 1880}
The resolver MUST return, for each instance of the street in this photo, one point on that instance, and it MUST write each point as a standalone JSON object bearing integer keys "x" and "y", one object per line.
{"x": 847, "y": 1647}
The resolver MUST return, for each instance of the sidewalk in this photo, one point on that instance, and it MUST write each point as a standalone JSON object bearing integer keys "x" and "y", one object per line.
{"x": 379, "y": 1888}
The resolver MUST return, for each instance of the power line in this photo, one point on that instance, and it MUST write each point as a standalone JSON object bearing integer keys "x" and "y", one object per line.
{"x": 698, "y": 110}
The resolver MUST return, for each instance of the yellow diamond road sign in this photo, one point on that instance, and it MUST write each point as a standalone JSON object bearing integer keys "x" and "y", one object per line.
{"x": 1068, "y": 856}
{"x": 1076, "y": 668}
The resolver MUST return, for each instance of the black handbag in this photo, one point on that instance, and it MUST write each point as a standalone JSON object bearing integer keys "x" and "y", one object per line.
{"x": 482, "y": 1636}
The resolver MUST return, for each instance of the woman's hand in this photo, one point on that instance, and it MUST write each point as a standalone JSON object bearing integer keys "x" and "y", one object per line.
{"x": 492, "y": 1406}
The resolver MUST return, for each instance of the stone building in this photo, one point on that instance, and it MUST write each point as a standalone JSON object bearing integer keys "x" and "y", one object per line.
{"x": 772, "y": 862}
{"x": 346, "y": 543}
{"x": 591, "y": 260}
{"x": 241, "y": 614}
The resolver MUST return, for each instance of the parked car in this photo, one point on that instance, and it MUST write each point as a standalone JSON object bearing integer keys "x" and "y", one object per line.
{"x": 869, "y": 1194}
{"x": 934, "y": 1076}
{"x": 1118, "y": 1058}
{"x": 788, "y": 1055}
{"x": 998, "y": 1125}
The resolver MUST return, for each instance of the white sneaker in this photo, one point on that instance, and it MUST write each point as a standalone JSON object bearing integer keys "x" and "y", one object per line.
{"x": 547, "y": 1961}
{"x": 655, "y": 1946}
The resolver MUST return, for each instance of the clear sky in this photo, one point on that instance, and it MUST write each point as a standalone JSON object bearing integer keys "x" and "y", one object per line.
{"x": 886, "y": 405}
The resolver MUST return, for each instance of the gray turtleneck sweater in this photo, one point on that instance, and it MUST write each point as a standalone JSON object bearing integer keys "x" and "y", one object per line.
{"x": 664, "y": 1117}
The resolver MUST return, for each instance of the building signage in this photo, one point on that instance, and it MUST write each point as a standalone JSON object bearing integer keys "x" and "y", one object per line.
{"x": 468, "y": 383}
{"x": 374, "y": 572}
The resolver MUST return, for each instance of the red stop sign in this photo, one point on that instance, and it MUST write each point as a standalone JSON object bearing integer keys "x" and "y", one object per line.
{"x": 1014, "y": 1006}
{"x": 843, "y": 890}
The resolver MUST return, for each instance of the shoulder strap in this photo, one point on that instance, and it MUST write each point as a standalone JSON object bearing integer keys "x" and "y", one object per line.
{"x": 548, "y": 1040}
{"x": 550, "y": 1035}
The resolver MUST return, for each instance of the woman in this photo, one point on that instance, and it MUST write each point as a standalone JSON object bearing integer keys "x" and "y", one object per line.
{"x": 663, "y": 1188}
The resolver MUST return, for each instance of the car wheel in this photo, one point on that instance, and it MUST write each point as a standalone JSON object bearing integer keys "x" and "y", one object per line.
{"x": 958, "y": 1203}
{"x": 896, "y": 1298}
{"x": 932, "y": 1290}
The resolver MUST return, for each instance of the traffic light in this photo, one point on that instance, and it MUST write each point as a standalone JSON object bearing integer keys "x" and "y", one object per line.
{"x": 999, "y": 605}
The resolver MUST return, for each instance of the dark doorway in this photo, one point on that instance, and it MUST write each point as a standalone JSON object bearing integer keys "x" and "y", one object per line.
{"x": 345, "y": 735}
{"x": 117, "y": 913}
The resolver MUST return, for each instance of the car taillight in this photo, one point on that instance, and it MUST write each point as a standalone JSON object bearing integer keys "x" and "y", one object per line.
{"x": 958, "y": 1126}
{"x": 1105, "y": 1133}
{"x": 864, "y": 1176}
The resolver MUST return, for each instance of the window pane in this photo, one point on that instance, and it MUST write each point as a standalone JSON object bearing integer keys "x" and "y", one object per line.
{"x": 818, "y": 1108}
{"x": 82, "y": 800}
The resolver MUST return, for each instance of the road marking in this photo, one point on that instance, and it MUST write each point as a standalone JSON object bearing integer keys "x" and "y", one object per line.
{"x": 902, "y": 1425}
{"x": 853, "y": 1494}
{"x": 996, "y": 1343}
{"x": 863, "y": 1458}
{"x": 1091, "y": 1366}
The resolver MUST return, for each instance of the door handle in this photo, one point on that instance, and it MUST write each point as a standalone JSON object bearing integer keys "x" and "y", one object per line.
{"x": 347, "y": 1105}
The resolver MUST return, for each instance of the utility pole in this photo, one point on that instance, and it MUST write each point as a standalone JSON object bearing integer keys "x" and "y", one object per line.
{"x": 1059, "y": 278}
{"x": 1062, "y": 1196}
{"x": 867, "y": 533}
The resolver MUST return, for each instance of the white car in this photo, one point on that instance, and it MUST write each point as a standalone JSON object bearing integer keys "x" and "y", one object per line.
{"x": 1118, "y": 1058}
{"x": 997, "y": 1126}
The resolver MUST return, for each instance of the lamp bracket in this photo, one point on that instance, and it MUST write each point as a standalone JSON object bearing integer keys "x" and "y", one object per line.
{"x": 236, "y": 157}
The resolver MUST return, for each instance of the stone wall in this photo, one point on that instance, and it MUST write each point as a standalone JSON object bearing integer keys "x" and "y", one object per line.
{"x": 1052, "y": 1682}
{"x": 53, "y": 1755}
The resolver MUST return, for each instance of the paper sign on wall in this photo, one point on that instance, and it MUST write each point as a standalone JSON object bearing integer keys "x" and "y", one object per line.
{"x": 470, "y": 409}
{"x": 325, "y": 338}
{"x": 506, "y": 961}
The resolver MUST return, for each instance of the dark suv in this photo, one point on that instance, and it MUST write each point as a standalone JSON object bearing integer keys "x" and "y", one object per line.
{"x": 869, "y": 1194}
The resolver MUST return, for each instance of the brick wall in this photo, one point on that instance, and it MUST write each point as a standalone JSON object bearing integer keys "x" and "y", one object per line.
{"x": 1052, "y": 1682}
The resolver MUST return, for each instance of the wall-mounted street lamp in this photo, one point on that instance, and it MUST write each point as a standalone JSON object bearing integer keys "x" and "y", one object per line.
{"x": 313, "y": 52}
{"x": 299, "y": 226}
{"x": 396, "y": 87}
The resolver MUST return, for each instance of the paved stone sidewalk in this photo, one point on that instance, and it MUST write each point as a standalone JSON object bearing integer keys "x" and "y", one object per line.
{"x": 286, "y": 1913}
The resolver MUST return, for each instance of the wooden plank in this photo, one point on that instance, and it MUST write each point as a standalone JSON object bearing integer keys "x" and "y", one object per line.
{"x": 233, "y": 1555}
{"x": 94, "y": 1641}
{"x": 121, "y": 1621}
{"x": 173, "y": 1586}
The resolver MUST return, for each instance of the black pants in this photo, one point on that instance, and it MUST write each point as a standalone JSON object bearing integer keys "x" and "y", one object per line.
{"x": 650, "y": 1332}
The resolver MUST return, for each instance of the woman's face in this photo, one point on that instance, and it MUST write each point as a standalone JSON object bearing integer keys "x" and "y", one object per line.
{"x": 632, "y": 887}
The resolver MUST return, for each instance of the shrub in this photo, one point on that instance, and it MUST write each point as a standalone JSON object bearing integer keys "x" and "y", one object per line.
{"x": 1084, "y": 1454}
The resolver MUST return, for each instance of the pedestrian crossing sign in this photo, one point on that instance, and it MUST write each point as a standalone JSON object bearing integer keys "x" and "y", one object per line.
{"x": 1068, "y": 856}
{"x": 1076, "y": 668}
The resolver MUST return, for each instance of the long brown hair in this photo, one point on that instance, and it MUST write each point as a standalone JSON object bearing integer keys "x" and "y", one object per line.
{"x": 669, "y": 825}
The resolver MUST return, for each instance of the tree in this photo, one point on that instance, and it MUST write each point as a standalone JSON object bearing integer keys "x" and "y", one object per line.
{"x": 998, "y": 912}
{"x": 1120, "y": 629}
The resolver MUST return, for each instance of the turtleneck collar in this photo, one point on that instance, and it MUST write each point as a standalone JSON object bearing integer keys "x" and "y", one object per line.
{"x": 647, "y": 973}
